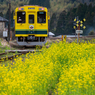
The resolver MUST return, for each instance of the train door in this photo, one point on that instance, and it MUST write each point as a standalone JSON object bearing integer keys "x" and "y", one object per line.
{"x": 31, "y": 23}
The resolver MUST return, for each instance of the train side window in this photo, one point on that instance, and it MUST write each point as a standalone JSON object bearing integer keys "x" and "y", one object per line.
{"x": 21, "y": 17}
{"x": 41, "y": 17}
{"x": 31, "y": 18}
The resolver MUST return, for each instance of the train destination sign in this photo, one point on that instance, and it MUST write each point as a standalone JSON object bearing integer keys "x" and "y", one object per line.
{"x": 79, "y": 31}
{"x": 31, "y": 8}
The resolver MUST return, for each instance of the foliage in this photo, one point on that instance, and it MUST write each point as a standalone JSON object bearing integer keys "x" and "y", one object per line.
{"x": 78, "y": 79}
{"x": 12, "y": 28}
{"x": 66, "y": 20}
{"x": 56, "y": 7}
{"x": 14, "y": 3}
{"x": 92, "y": 32}
{"x": 3, "y": 48}
{"x": 53, "y": 22}
{"x": 1, "y": 14}
{"x": 63, "y": 68}
{"x": 44, "y": 3}
{"x": 0, "y": 44}
{"x": 61, "y": 23}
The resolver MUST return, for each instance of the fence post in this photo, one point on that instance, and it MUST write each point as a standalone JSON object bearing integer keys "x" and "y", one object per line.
{"x": 65, "y": 38}
{"x": 62, "y": 38}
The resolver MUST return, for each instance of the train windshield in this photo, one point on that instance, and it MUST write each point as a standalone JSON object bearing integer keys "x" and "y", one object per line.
{"x": 20, "y": 17}
{"x": 31, "y": 18}
{"x": 41, "y": 17}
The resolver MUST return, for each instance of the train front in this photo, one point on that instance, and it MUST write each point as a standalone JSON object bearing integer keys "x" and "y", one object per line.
{"x": 31, "y": 25}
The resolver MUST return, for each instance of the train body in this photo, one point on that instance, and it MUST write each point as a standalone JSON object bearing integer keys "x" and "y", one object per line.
{"x": 31, "y": 25}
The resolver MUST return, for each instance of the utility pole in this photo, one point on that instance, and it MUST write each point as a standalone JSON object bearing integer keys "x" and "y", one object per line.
{"x": 9, "y": 21}
{"x": 78, "y": 35}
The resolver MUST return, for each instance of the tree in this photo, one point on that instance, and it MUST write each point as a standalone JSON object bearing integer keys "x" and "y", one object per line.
{"x": 44, "y": 3}
{"x": 7, "y": 14}
{"x": 1, "y": 0}
{"x": 53, "y": 22}
{"x": 1, "y": 14}
{"x": 69, "y": 23}
{"x": 60, "y": 29}
{"x": 81, "y": 10}
{"x": 92, "y": 32}
{"x": 89, "y": 15}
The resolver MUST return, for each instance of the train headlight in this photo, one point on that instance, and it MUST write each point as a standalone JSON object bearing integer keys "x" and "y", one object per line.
{"x": 20, "y": 8}
{"x": 41, "y": 8}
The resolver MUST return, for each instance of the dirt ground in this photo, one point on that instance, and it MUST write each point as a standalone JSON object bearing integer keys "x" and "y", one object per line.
{"x": 4, "y": 42}
{"x": 49, "y": 40}
{"x": 71, "y": 39}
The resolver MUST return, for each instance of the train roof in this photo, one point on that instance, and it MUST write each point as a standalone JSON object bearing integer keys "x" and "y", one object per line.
{"x": 31, "y": 7}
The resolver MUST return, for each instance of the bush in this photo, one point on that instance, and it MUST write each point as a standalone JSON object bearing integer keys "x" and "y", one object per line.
{"x": 62, "y": 69}
{"x": 92, "y": 32}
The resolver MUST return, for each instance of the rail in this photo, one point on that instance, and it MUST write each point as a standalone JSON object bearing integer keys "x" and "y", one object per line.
{"x": 16, "y": 55}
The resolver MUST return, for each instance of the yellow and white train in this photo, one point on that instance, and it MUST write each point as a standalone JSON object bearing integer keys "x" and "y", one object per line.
{"x": 31, "y": 25}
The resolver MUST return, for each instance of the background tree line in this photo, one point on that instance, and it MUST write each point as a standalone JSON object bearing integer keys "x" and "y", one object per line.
{"x": 65, "y": 21}
{"x": 62, "y": 12}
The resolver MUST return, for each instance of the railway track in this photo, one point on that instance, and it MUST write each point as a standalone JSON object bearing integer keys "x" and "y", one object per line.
{"x": 24, "y": 51}
{"x": 6, "y": 58}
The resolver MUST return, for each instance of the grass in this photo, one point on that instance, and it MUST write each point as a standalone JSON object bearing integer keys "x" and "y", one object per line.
{"x": 8, "y": 55}
{"x": 3, "y": 48}
{"x": 62, "y": 69}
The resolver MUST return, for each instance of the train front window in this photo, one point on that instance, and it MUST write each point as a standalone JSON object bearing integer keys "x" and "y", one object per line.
{"x": 21, "y": 17}
{"x": 31, "y": 18}
{"x": 41, "y": 17}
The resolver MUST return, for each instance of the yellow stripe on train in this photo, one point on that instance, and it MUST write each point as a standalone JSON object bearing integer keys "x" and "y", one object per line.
{"x": 24, "y": 35}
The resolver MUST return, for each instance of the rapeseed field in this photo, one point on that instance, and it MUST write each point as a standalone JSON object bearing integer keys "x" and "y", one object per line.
{"x": 62, "y": 69}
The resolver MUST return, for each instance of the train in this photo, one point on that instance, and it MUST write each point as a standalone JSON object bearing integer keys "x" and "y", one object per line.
{"x": 31, "y": 25}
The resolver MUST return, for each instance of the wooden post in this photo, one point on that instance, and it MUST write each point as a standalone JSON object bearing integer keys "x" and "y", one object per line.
{"x": 78, "y": 37}
{"x": 62, "y": 38}
{"x": 11, "y": 35}
{"x": 65, "y": 38}
{"x": 78, "y": 34}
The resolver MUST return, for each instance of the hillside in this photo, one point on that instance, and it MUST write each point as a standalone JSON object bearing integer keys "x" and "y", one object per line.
{"x": 53, "y": 5}
{"x": 57, "y": 8}
{"x": 66, "y": 22}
